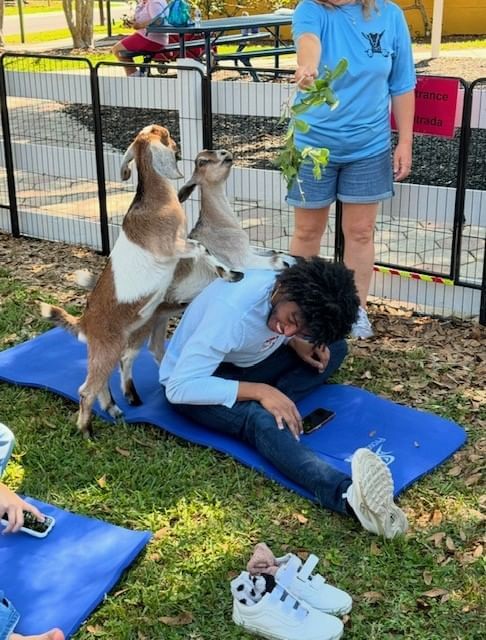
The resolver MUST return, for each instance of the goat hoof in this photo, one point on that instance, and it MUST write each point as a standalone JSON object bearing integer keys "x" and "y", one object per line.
{"x": 236, "y": 276}
{"x": 133, "y": 399}
{"x": 114, "y": 411}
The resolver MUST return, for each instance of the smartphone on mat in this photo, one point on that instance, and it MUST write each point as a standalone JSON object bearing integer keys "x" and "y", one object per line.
{"x": 316, "y": 419}
{"x": 32, "y": 526}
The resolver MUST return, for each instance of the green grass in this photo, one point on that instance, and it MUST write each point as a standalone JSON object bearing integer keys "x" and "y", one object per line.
{"x": 209, "y": 511}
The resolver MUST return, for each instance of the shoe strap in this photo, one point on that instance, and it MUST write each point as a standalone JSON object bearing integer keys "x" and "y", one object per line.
{"x": 281, "y": 598}
{"x": 288, "y": 572}
{"x": 308, "y": 567}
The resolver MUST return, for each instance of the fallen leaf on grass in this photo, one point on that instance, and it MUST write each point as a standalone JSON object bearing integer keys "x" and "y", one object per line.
{"x": 177, "y": 621}
{"x": 375, "y": 549}
{"x": 161, "y": 533}
{"x": 474, "y": 479}
{"x": 449, "y": 543}
{"x": 301, "y": 518}
{"x": 371, "y": 597}
{"x": 427, "y": 576}
{"x": 95, "y": 630}
{"x": 101, "y": 482}
{"x": 437, "y": 592}
{"x": 437, "y": 538}
{"x": 455, "y": 471}
{"x": 436, "y": 518}
{"x": 123, "y": 452}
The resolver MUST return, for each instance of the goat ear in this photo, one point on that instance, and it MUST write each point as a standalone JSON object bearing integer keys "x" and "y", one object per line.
{"x": 125, "y": 171}
{"x": 164, "y": 162}
{"x": 186, "y": 190}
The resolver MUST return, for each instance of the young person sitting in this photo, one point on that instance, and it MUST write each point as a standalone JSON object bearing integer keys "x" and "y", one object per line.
{"x": 244, "y": 353}
{"x": 14, "y": 506}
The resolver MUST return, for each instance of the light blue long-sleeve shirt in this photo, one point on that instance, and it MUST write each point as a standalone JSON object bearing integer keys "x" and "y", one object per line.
{"x": 227, "y": 322}
{"x": 380, "y": 67}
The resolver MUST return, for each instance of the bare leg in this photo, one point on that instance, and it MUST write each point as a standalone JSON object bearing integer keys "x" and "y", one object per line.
{"x": 53, "y": 634}
{"x": 359, "y": 250}
{"x": 309, "y": 227}
{"x": 118, "y": 51}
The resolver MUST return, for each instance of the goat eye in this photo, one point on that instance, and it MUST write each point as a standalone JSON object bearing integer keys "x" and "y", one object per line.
{"x": 203, "y": 162}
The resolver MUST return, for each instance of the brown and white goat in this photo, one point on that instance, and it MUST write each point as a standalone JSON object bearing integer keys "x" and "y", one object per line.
{"x": 220, "y": 231}
{"x": 120, "y": 310}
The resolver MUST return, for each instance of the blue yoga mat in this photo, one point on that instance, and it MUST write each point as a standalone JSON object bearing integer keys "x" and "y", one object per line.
{"x": 411, "y": 442}
{"x": 57, "y": 581}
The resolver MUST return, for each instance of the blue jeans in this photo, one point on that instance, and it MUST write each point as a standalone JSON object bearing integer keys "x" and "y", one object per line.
{"x": 250, "y": 422}
{"x": 8, "y": 617}
{"x": 7, "y": 441}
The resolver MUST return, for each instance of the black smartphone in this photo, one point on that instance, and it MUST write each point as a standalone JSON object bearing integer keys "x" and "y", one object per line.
{"x": 316, "y": 419}
{"x": 32, "y": 526}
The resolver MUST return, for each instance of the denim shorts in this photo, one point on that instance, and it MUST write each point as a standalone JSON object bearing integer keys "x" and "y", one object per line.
{"x": 8, "y": 617}
{"x": 361, "y": 182}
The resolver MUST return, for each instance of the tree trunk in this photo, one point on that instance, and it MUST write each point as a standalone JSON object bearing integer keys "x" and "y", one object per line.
{"x": 80, "y": 22}
{"x": 101, "y": 9}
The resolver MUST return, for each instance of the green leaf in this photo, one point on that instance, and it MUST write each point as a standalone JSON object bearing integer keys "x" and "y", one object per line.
{"x": 302, "y": 126}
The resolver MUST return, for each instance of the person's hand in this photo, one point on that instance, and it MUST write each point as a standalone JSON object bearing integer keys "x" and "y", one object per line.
{"x": 282, "y": 408}
{"x": 402, "y": 161}
{"x": 317, "y": 357}
{"x": 14, "y": 506}
{"x": 304, "y": 76}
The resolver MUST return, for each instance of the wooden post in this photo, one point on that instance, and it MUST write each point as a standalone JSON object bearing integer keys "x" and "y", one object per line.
{"x": 436, "y": 28}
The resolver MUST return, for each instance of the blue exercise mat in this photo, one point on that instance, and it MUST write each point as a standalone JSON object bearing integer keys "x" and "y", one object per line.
{"x": 411, "y": 442}
{"x": 57, "y": 581}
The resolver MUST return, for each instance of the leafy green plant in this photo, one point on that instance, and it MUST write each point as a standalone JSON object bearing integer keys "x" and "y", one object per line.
{"x": 290, "y": 159}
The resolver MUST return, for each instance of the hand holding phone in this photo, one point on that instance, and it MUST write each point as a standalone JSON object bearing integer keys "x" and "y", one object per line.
{"x": 32, "y": 526}
{"x": 316, "y": 419}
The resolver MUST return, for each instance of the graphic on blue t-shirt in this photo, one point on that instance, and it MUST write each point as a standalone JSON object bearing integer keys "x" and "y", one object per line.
{"x": 374, "y": 40}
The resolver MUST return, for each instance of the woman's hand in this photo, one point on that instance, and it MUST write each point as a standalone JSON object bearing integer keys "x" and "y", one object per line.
{"x": 305, "y": 76}
{"x": 402, "y": 160}
{"x": 11, "y": 504}
{"x": 317, "y": 357}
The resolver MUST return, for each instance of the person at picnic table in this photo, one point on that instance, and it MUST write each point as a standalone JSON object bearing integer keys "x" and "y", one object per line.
{"x": 14, "y": 506}
{"x": 141, "y": 41}
{"x": 374, "y": 38}
{"x": 244, "y": 353}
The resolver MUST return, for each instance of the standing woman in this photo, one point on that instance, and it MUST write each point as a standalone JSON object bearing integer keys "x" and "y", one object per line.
{"x": 374, "y": 37}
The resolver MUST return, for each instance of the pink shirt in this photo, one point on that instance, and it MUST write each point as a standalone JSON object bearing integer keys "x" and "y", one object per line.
{"x": 148, "y": 10}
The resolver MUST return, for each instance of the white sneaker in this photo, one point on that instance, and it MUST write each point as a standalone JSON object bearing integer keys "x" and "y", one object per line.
{"x": 371, "y": 495}
{"x": 362, "y": 327}
{"x": 280, "y": 616}
{"x": 312, "y": 589}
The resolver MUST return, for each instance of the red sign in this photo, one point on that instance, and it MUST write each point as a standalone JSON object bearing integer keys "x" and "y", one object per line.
{"x": 435, "y": 106}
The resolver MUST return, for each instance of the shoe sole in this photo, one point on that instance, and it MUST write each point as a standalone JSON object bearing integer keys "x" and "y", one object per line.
{"x": 270, "y": 636}
{"x": 382, "y": 511}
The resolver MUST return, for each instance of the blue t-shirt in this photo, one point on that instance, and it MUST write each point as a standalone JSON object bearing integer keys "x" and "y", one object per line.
{"x": 381, "y": 65}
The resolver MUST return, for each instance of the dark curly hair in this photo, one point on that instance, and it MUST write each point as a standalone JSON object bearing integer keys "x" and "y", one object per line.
{"x": 326, "y": 295}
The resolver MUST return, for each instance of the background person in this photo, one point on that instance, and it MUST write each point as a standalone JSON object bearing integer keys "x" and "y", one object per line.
{"x": 14, "y": 505}
{"x": 244, "y": 353}
{"x": 373, "y": 36}
{"x": 141, "y": 41}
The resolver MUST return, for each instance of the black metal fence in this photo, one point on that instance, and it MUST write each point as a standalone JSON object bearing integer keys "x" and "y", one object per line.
{"x": 66, "y": 123}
